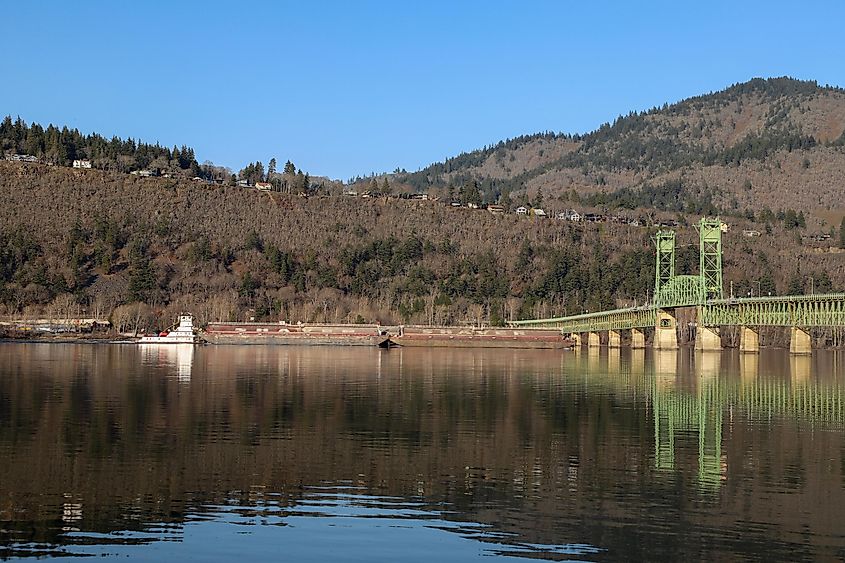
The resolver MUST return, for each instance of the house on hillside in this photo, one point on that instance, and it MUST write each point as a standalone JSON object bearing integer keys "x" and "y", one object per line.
{"x": 419, "y": 197}
{"x": 22, "y": 158}
{"x": 750, "y": 233}
{"x": 142, "y": 173}
{"x": 82, "y": 163}
{"x": 541, "y": 213}
{"x": 264, "y": 186}
{"x": 522, "y": 210}
{"x": 244, "y": 184}
{"x": 496, "y": 209}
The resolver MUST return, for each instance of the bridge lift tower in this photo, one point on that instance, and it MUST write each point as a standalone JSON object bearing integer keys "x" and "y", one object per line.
{"x": 664, "y": 242}
{"x": 673, "y": 290}
{"x": 710, "y": 257}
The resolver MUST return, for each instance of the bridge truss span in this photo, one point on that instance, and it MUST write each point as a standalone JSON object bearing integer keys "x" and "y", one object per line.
{"x": 816, "y": 310}
{"x": 616, "y": 319}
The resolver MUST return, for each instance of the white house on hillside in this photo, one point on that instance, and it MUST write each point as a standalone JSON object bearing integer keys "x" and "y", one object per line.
{"x": 82, "y": 164}
{"x": 522, "y": 210}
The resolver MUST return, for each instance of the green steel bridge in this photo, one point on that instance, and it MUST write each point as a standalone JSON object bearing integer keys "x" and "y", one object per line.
{"x": 704, "y": 293}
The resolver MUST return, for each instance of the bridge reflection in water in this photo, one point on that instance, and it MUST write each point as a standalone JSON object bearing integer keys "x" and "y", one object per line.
{"x": 649, "y": 454}
{"x": 691, "y": 393}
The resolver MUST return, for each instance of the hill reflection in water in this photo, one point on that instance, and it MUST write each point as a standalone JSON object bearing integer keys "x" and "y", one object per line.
{"x": 441, "y": 454}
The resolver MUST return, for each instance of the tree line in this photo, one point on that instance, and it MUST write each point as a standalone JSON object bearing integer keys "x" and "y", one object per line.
{"x": 61, "y": 146}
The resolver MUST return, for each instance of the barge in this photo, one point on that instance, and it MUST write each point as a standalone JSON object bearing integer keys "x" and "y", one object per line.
{"x": 489, "y": 337}
{"x": 281, "y": 333}
{"x": 303, "y": 334}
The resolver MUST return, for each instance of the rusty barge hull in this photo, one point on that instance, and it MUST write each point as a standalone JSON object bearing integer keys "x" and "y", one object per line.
{"x": 459, "y": 337}
{"x": 295, "y": 335}
{"x": 375, "y": 335}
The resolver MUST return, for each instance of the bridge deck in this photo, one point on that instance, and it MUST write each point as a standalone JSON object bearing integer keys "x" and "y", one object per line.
{"x": 820, "y": 309}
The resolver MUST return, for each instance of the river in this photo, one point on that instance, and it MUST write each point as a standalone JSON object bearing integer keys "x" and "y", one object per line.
{"x": 356, "y": 454}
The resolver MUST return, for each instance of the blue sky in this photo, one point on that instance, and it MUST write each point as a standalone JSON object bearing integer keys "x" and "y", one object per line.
{"x": 347, "y": 88}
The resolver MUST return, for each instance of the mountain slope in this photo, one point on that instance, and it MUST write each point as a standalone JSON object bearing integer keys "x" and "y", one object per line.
{"x": 774, "y": 143}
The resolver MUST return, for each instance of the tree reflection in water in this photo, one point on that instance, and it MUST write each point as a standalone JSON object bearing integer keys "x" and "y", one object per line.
{"x": 537, "y": 453}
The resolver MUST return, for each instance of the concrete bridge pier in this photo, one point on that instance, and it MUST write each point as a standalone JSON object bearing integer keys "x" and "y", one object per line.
{"x": 614, "y": 340}
{"x": 637, "y": 339}
{"x": 665, "y": 332}
{"x": 799, "y": 341}
{"x": 707, "y": 339}
{"x": 576, "y": 336}
{"x": 749, "y": 340}
{"x": 593, "y": 340}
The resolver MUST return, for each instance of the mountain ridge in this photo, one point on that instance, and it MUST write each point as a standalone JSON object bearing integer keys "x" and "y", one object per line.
{"x": 721, "y": 139}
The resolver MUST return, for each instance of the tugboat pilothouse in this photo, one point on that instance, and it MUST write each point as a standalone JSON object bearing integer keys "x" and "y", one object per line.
{"x": 183, "y": 333}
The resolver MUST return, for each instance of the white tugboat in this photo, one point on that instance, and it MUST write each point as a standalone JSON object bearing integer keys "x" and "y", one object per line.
{"x": 183, "y": 333}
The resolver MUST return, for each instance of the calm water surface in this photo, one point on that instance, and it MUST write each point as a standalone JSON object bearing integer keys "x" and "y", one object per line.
{"x": 316, "y": 454}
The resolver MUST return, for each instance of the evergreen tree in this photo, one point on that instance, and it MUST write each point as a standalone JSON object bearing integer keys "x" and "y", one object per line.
{"x": 271, "y": 168}
{"x": 469, "y": 193}
{"x": 386, "y": 189}
{"x": 842, "y": 233}
{"x": 796, "y": 284}
{"x": 289, "y": 169}
{"x": 767, "y": 285}
{"x": 538, "y": 201}
{"x": 505, "y": 201}
{"x": 142, "y": 281}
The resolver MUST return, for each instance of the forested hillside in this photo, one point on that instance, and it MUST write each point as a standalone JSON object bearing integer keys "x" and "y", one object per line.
{"x": 776, "y": 144}
{"x": 107, "y": 242}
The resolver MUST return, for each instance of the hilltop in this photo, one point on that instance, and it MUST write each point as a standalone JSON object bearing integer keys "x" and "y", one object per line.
{"x": 773, "y": 144}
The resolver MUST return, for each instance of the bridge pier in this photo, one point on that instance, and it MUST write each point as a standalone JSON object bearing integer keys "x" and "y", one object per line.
{"x": 614, "y": 340}
{"x": 576, "y": 336}
{"x": 799, "y": 341}
{"x": 749, "y": 340}
{"x": 707, "y": 339}
{"x": 593, "y": 340}
{"x": 637, "y": 339}
{"x": 665, "y": 333}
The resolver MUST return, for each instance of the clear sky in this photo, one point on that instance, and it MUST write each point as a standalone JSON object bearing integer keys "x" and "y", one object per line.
{"x": 352, "y": 87}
